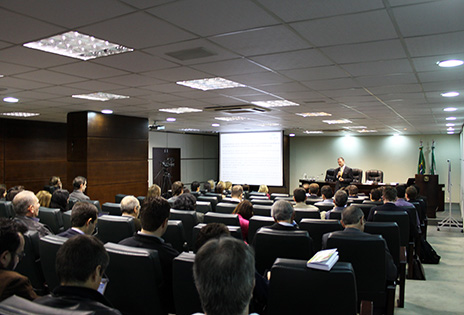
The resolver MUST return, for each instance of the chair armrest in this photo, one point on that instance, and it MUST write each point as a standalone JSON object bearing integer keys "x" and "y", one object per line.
{"x": 367, "y": 308}
{"x": 390, "y": 307}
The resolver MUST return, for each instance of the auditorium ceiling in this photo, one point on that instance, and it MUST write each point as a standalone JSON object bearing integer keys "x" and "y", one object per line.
{"x": 370, "y": 65}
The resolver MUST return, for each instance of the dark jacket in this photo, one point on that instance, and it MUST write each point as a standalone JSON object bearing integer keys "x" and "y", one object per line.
{"x": 13, "y": 283}
{"x": 277, "y": 226}
{"x": 347, "y": 177}
{"x": 69, "y": 233}
{"x": 33, "y": 224}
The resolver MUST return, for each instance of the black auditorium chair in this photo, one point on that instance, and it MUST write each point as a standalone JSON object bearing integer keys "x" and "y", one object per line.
{"x": 52, "y": 218}
{"x": 175, "y": 235}
{"x": 324, "y": 206}
{"x": 288, "y": 198}
{"x": 71, "y": 202}
{"x": 374, "y": 175}
{"x": 311, "y": 291}
{"x": 112, "y": 208}
{"x": 275, "y": 195}
{"x": 271, "y": 244}
{"x": 264, "y": 210}
{"x": 312, "y": 201}
{"x": 96, "y": 203}
{"x": 119, "y": 197}
{"x": 255, "y": 193}
{"x": 230, "y": 200}
{"x": 256, "y": 197}
{"x": 141, "y": 199}
{"x": 135, "y": 276}
{"x": 262, "y": 202}
{"x": 235, "y": 231}
{"x": 335, "y": 214}
{"x": 204, "y": 206}
{"x": 48, "y": 247}
{"x": 365, "y": 207}
{"x": 67, "y": 219}
{"x": 225, "y": 207}
{"x": 226, "y": 218}
{"x": 212, "y": 199}
{"x": 306, "y": 214}
{"x": 330, "y": 175}
{"x": 115, "y": 228}
{"x": 6, "y": 209}
{"x": 186, "y": 298}
{"x": 18, "y": 305}
{"x": 318, "y": 227}
{"x": 217, "y": 195}
{"x": 189, "y": 220}
{"x": 357, "y": 175}
{"x": 255, "y": 223}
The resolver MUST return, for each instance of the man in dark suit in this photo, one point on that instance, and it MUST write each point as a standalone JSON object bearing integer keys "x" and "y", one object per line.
{"x": 389, "y": 197}
{"x": 283, "y": 214}
{"x": 83, "y": 220}
{"x": 344, "y": 174}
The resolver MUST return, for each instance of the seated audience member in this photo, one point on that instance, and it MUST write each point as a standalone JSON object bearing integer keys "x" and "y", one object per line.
{"x": 154, "y": 216}
{"x": 60, "y": 200}
{"x": 55, "y": 183}
{"x": 84, "y": 218}
{"x": 353, "y": 191}
{"x": 209, "y": 231}
{"x": 130, "y": 207}
{"x": 212, "y": 185}
{"x": 340, "y": 203}
{"x": 283, "y": 214}
{"x": 264, "y": 189}
{"x": 401, "y": 194}
{"x": 327, "y": 194}
{"x": 44, "y": 198}
{"x": 411, "y": 196}
{"x": 219, "y": 189}
{"x": 11, "y": 252}
{"x": 245, "y": 211}
{"x": 2, "y": 192}
{"x": 80, "y": 264}
{"x": 26, "y": 206}
{"x": 154, "y": 191}
{"x": 13, "y": 191}
{"x": 237, "y": 193}
{"x": 195, "y": 187}
{"x": 79, "y": 185}
{"x": 305, "y": 186}
{"x": 353, "y": 223}
{"x": 313, "y": 191}
{"x": 375, "y": 197}
{"x": 224, "y": 273}
{"x": 206, "y": 187}
{"x": 188, "y": 202}
{"x": 299, "y": 195}
{"x": 228, "y": 187}
{"x": 177, "y": 189}
{"x": 389, "y": 199}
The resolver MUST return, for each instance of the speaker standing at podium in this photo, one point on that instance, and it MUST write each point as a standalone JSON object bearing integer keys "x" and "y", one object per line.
{"x": 344, "y": 174}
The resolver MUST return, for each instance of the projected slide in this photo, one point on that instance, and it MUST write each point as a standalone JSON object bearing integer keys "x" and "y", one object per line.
{"x": 253, "y": 158}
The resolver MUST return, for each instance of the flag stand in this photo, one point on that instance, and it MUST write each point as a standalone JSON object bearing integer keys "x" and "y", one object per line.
{"x": 449, "y": 221}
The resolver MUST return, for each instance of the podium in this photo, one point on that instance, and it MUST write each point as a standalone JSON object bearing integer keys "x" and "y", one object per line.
{"x": 429, "y": 187}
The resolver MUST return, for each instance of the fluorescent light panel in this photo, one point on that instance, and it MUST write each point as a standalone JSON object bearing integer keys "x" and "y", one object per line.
{"x": 366, "y": 131}
{"x": 450, "y": 63}
{"x": 450, "y": 109}
{"x": 100, "y": 96}
{"x": 180, "y": 110}
{"x": 314, "y": 114}
{"x": 337, "y": 121}
{"x": 211, "y": 84}
{"x": 275, "y": 103}
{"x": 231, "y": 118}
{"x": 190, "y": 130}
{"x": 450, "y": 94}
{"x": 20, "y": 114}
{"x": 107, "y": 111}
{"x": 313, "y": 131}
{"x": 10, "y": 99}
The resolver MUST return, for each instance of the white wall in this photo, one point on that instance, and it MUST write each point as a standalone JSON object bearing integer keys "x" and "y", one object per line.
{"x": 198, "y": 154}
{"x": 396, "y": 156}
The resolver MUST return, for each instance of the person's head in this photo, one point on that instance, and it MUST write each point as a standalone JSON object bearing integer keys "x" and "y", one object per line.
{"x": 313, "y": 188}
{"x": 219, "y": 188}
{"x": 154, "y": 214}
{"x": 245, "y": 209}
{"x": 60, "y": 199}
{"x": 55, "y": 181}
{"x": 341, "y": 161}
{"x": 299, "y": 195}
{"x": 195, "y": 186}
{"x": 400, "y": 191}
{"x": 185, "y": 202}
{"x": 326, "y": 192}
{"x": 237, "y": 192}
{"x": 340, "y": 198}
{"x": 305, "y": 187}
{"x": 389, "y": 194}
{"x": 81, "y": 261}
{"x": 11, "y": 243}
{"x": 282, "y": 210}
{"x": 130, "y": 206}
{"x": 2, "y": 190}
{"x": 224, "y": 273}
{"x": 80, "y": 183}
{"x": 207, "y": 186}
{"x": 84, "y": 216}
{"x": 210, "y": 231}
{"x": 411, "y": 193}
{"x": 177, "y": 188}
{"x": 44, "y": 198}
{"x": 375, "y": 194}
{"x": 353, "y": 190}
{"x": 154, "y": 191}
{"x": 353, "y": 216}
{"x": 263, "y": 189}
{"x": 227, "y": 185}
{"x": 211, "y": 185}
{"x": 13, "y": 191}
{"x": 25, "y": 203}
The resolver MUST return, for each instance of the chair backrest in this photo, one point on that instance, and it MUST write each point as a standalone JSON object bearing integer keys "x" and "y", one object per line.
{"x": 262, "y": 202}
{"x": 48, "y": 247}
{"x": 204, "y": 206}
{"x": 67, "y": 219}
{"x": 212, "y": 199}
{"x": 141, "y": 199}
{"x": 225, "y": 207}
{"x": 255, "y": 193}
{"x": 264, "y": 210}
{"x": 30, "y": 264}
{"x": 318, "y": 227}
{"x": 112, "y": 208}
{"x": 259, "y": 197}
{"x": 226, "y": 218}
{"x": 230, "y": 200}
{"x": 6, "y": 209}
{"x": 235, "y": 232}
{"x": 53, "y": 218}
{"x": 217, "y": 195}
{"x": 288, "y": 198}
{"x": 400, "y": 217}
{"x": 367, "y": 255}
{"x": 96, "y": 203}
{"x": 306, "y": 214}
{"x": 18, "y": 305}
{"x": 275, "y": 195}
{"x": 390, "y": 231}
{"x": 335, "y": 215}
{"x": 312, "y": 201}
{"x": 324, "y": 206}
{"x": 71, "y": 202}
{"x": 326, "y": 292}
{"x": 175, "y": 235}
{"x": 135, "y": 276}
{"x": 255, "y": 223}
{"x": 330, "y": 175}
{"x": 272, "y": 244}
{"x": 189, "y": 220}
{"x": 374, "y": 175}
{"x": 357, "y": 175}
{"x": 119, "y": 197}
{"x": 365, "y": 207}
{"x": 115, "y": 228}
{"x": 186, "y": 298}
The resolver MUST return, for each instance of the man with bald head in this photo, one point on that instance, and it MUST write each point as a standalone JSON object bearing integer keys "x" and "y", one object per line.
{"x": 26, "y": 206}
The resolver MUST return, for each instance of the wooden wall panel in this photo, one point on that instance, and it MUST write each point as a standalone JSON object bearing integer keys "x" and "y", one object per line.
{"x": 116, "y": 126}
{"x": 2, "y": 164}
{"x": 114, "y": 149}
{"x": 106, "y": 193}
{"x": 102, "y": 173}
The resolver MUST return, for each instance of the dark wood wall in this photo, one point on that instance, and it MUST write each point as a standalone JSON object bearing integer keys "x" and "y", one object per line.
{"x": 31, "y": 152}
{"x": 111, "y": 151}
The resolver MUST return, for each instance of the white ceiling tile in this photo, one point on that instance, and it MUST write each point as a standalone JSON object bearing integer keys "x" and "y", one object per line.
{"x": 293, "y": 60}
{"x": 94, "y": 85}
{"x": 436, "y": 44}
{"x": 89, "y": 70}
{"x": 229, "y": 67}
{"x": 177, "y": 74}
{"x": 50, "y": 77}
{"x": 317, "y": 73}
{"x": 133, "y": 80}
{"x": 257, "y": 79}
{"x": 383, "y": 50}
{"x": 32, "y": 58}
{"x": 332, "y": 84}
{"x": 378, "y": 67}
{"x": 135, "y": 62}
{"x": 387, "y": 79}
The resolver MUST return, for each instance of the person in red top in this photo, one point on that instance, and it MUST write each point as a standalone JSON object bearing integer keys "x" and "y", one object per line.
{"x": 245, "y": 211}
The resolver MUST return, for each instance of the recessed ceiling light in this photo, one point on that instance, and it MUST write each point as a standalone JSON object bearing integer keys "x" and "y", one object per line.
{"x": 450, "y": 132}
{"x": 215, "y": 125}
{"x": 450, "y": 63}
{"x": 450, "y": 109}
{"x": 291, "y": 134}
{"x": 315, "y": 114}
{"x": 449, "y": 125}
{"x": 1, "y": 75}
{"x": 337, "y": 121}
{"x": 366, "y": 131}
{"x": 450, "y": 128}
{"x": 189, "y": 130}
{"x": 211, "y": 84}
{"x": 11, "y": 99}
{"x": 450, "y": 118}
{"x": 180, "y": 110}
{"x": 20, "y": 114}
{"x": 231, "y": 118}
{"x": 396, "y": 135}
{"x": 269, "y": 124}
{"x": 313, "y": 131}
{"x": 275, "y": 103}
{"x": 171, "y": 119}
{"x": 354, "y": 127}
{"x": 77, "y": 45}
{"x": 450, "y": 94}
{"x": 100, "y": 96}
{"x": 107, "y": 111}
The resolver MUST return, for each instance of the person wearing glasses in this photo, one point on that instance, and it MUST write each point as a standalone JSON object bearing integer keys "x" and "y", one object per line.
{"x": 26, "y": 206}
{"x": 11, "y": 252}
{"x": 84, "y": 218}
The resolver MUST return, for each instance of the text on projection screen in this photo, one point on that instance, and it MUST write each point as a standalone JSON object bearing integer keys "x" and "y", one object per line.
{"x": 251, "y": 158}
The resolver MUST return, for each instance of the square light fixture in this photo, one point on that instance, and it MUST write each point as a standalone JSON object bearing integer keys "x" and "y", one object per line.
{"x": 100, "y": 96}
{"x": 76, "y": 45}
{"x": 269, "y": 125}
{"x": 367, "y": 130}
{"x": 275, "y": 103}
{"x": 190, "y": 130}
{"x": 210, "y": 84}
{"x": 314, "y": 114}
{"x": 313, "y": 131}
{"x": 337, "y": 121}
{"x": 20, "y": 114}
{"x": 355, "y": 127}
{"x": 180, "y": 110}
{"x": 231, "y": 118}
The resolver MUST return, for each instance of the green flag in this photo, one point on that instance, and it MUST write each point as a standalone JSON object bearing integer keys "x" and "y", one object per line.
{"x": 421, "y": 166}
{"x": 433, "y": 166}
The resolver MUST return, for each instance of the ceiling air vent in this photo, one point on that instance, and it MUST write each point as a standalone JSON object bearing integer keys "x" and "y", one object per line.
{"x": 238, "y": 109}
